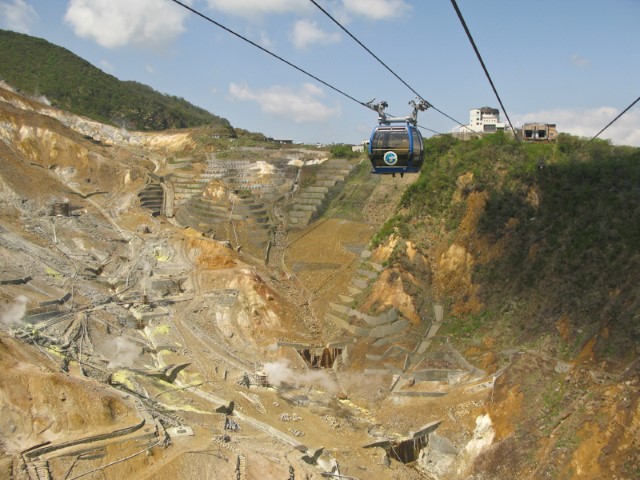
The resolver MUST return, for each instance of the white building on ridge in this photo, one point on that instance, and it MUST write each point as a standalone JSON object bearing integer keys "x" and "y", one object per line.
{"x": 484, "y": 120}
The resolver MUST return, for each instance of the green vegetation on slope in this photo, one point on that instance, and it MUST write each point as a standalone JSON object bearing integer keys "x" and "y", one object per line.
{"x": 565, "y": 219}
{"x": 36, "y": 67}
{"x": 343, "y": 151}
{"x": 350, "y": 202}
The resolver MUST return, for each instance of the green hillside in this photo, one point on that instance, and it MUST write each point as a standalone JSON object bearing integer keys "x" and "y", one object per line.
{"x": 534, "y": 252}
{"x": 37, "y": 67}
{"x": 554, "y": 234}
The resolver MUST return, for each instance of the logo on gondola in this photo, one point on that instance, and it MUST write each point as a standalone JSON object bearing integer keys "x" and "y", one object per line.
{"x": 390, "y": 158}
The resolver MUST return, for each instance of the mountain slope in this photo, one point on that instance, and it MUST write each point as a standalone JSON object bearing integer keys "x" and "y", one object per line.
{"x": 37, "y": 67}
{"x": 530, "y": 258}
{"x": 534, "y": 253}
{"x": 554, "y": 231}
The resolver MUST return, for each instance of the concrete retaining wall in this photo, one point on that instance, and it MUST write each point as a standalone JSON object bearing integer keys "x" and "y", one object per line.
{"x": 388, "y": 330}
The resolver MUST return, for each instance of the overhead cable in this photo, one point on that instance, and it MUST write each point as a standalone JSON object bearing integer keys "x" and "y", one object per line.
{"x": 486, "y": 72}
{"x": 344, "y": 29}
{"x": 615, "y": 119}
{"x": 429, "y": 129}
{"x": 208, "y": 19}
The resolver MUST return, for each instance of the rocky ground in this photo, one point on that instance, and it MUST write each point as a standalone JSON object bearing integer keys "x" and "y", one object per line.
{"x": 135, "y": 347}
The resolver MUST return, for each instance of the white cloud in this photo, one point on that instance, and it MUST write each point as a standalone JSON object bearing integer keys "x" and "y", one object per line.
{"x": 261, "y": 37}
{"x": 306, "y": 32}
{"x": 300, "y": 106}
{"x": 106, "y": 66}
{"x": 259, "y": 8}
{"x": 149, "y": 69}
{"x": 17, "y": 15}
{"x": 588, "y": 122}
{"x": 116, "y": 23}
{"x": 377, "y": 9}
{"x": 580, "y": 62}
{"x": 265, "y": 40}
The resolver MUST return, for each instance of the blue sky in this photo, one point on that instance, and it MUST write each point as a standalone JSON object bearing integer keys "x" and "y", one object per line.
{"x": 575, "y": 63}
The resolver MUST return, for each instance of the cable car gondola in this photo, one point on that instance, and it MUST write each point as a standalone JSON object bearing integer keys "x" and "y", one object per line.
{"x": 396, "y": 145}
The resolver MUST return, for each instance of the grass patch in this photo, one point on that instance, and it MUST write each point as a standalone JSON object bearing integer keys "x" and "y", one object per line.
{"x": 466, "y": 326}
{"x": 348, "y": 205}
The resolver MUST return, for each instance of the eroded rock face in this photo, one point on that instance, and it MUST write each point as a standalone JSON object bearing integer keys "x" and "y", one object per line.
{"x": 259, "y": 296}
{"x": 583, "y": 422}
{"x": 8, "y": 199}
{"x": 207, "y": 254}
{"x": 405, "y": 284}
{"x": 454, "y": 276}
{"x": 38, "y": 404}
{"x": 216, "y": 190}
{"x": 177, "y": 141}
{"x": 67, "y": 158}
{"x": 253, "y": 311}
{"x": 182, "y": 298}
{"x": 399, "y": 289}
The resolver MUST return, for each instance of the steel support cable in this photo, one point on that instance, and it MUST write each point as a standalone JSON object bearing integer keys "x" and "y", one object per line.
{"x": 384, "y": 64}
{"x": 486, "y": 72}
{"x": 426, "y": 128}
{"x": 431, "y": 129}
{"x": 209, "y": 19}
{"x": 614, "y": 120}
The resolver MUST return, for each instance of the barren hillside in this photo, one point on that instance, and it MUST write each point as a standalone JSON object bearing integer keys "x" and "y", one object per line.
{"x": 177, "y": 311}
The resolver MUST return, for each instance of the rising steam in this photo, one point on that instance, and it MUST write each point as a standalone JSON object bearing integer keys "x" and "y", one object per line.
{"x": 11, "y": 315}
{"x": 122, "y": 352}
{"x": 279, "y": 372}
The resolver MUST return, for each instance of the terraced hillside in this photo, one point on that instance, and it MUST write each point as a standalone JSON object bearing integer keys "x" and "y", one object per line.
{"x": 168, "y": 309}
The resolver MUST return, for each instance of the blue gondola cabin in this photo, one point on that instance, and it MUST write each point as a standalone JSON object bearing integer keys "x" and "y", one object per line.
{"x": 396, "y": 148}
